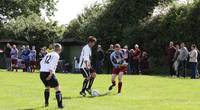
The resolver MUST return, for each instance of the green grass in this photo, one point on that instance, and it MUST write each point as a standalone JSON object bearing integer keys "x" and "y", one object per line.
{"x": 24, "y": 91}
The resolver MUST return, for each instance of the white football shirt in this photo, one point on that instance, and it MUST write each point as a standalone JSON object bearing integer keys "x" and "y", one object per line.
{"x": 86, "y": 53}
{"x": 49, "y": 62}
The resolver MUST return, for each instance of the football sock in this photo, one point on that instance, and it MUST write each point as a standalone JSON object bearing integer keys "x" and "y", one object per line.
{"x": 91, "y": 83}
{"x": 113, "y": 83}
{"x": 85, "y": 83}
{"x": 119, "y": 87}
{"x": 46, "y": 96}
{"x": 59, "y": 98}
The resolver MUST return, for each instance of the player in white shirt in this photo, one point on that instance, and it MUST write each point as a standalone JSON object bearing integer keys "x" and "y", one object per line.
{"x": 48, "y": 67}
{"x": 86, "y": 69}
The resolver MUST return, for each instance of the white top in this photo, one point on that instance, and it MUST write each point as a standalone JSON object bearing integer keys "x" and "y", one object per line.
{"x": 49, "y": 62}
{"x": 193, "y": 56}
{"x": 86, "y": 53}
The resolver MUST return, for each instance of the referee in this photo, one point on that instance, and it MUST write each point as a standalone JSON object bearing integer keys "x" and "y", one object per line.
{"x": 48, "y": 66}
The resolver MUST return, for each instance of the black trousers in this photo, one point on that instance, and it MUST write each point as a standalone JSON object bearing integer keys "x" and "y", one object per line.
{"x": 171, "y": 68}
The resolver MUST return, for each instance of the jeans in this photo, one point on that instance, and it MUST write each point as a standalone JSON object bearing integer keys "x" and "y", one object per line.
{"x": 193, "y": 69}
{"x": 182, "y": 68}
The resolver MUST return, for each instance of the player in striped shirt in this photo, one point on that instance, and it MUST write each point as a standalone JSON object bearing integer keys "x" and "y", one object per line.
{"x": 119, "y": 67}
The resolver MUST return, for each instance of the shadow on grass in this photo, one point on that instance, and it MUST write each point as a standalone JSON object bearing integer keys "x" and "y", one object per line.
{"x": 80, "y": 97}
{"x": 40, "y": 107}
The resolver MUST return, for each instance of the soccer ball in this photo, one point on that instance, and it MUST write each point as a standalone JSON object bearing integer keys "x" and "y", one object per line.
{"x": 95, "y": 93}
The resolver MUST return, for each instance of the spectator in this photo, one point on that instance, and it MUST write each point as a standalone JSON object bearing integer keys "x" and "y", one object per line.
{"x": 100, "y": 59}
{"x": 32, "y": 56}
{"x": 170, "y": 54}
{"x": 125, "y": 52}
{"x": 183, "y": 60}
{"x": 42, "y": 53}
{"x": 26, "y": 58}
{"x": 108, "y": 53}
{"x": 21, "y": 56}
{"x": 144, "y": 64}
{"x": 7, "y": 51}
{"x": 176, "y": 59}
{"x": 136, "y": 53}
{"x": 193, "y": 54}
{"x": 14, "y": 57}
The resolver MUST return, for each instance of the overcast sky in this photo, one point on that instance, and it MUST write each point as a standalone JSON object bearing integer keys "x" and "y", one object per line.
{"x": 69, "y": 9}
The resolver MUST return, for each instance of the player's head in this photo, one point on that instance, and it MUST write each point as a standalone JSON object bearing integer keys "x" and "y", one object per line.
{"x": 57, "y": 48}
{"x": 92, "y": 41}
{"x": 117, "y": 47}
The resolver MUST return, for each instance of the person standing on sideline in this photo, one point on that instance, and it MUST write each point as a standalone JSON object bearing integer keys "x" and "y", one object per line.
{"x": 176, "y": 59}
{"x": 32, "y": 58}
{"x": 7, "y": 51}
{"x": 183, "y": 60}
{"x": 136, "y": 53}
{"x": 125, "y": 53}
{"x": 85, "y": 66}
{"x": 14, "y": 58}
{"x": 193, "y": 60}
{"x": 109, "y": 64}
{"x": 170, "y": 56}
{"x": 48, "y": 67}
{"x": 26, "y": 53}
{"x": 100, "y": 59}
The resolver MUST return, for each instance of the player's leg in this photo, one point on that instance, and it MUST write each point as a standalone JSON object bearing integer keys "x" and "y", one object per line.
{"x": 43, "y": 77}
{"x": 59, "y": 97}
{"x": 113, "y": 81}
{"x": 86, "y": 75}
{"x": 120, "y": 81}
{"x": 46, "y": 95}
{"x": 91, "y": 81}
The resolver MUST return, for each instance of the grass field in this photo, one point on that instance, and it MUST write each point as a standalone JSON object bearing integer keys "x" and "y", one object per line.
{"x": 24, "y": 91}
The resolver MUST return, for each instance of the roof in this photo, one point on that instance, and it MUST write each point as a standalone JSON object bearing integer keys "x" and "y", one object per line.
{"x": 71, "y": 42}
{"x": 12, "y": 41}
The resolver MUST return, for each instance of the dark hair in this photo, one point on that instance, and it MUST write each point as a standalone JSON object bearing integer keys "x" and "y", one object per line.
{"x": 91, "y": 39}
{"x": 193, "y": 45}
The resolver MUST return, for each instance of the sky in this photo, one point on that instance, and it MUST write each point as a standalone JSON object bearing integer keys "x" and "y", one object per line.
{"x": 69, "y": 9}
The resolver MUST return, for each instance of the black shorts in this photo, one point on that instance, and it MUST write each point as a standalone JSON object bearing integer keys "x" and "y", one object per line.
{"x": 87, "y": 72}
{"x": 53, "y": 82}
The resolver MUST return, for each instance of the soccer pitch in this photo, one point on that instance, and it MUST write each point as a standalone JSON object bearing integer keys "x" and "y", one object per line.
{"x": 24, "y": 91}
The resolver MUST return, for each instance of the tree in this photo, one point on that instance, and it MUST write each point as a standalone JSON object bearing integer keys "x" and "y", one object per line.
{"x": 10, "y": 9}
{"x": 34, "y": 30}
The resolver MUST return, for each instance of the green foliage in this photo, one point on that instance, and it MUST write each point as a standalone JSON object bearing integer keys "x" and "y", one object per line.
{"x": 130, "y": 22}
{"x": 10, "y": 9}
{"x": 34, "y": 30}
